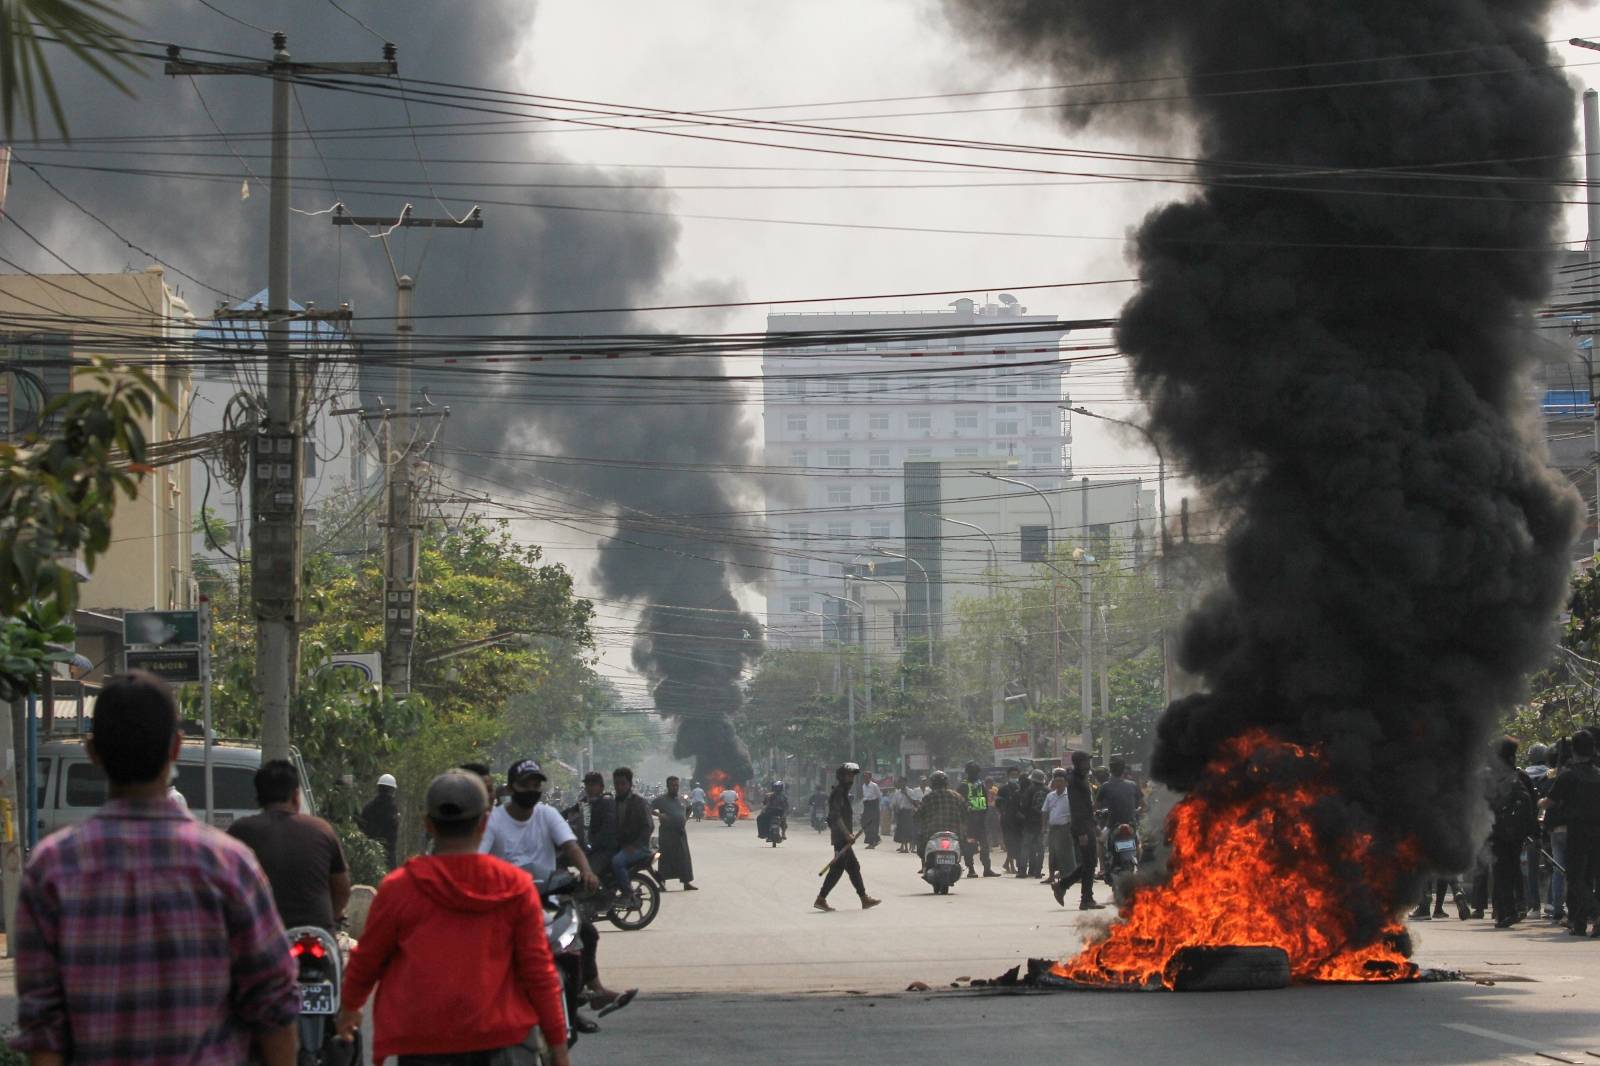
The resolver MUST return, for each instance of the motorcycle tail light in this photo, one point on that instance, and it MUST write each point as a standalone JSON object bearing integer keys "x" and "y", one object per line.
{"x": 944, "y": 845}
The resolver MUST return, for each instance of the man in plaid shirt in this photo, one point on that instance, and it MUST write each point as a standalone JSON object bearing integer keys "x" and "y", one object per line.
{"x": 942, "y": 810}
{"x": 141, "y": 935}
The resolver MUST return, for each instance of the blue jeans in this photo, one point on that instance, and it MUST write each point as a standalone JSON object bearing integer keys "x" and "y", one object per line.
{"x": 619, "y": 865}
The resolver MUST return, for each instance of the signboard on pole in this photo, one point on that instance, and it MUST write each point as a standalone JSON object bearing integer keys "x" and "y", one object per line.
{"x": 175, "y": 666}
{"x": 1012, "y": 746}
{"x": 161, "y": 629}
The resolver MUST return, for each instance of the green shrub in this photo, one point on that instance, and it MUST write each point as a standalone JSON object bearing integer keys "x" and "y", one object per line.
{"x": 365, "y": 857}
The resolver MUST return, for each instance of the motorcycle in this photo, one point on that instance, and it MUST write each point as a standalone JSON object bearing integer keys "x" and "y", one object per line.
{"x": 819, "y": 820}
{"x": 636, "y": 906}
{"x": 773, "y": 827}
{"x": 319, "y": 974}
{"x": 1122, "y": 851}
{"x": 941, "y": 862}
{"x": 730, "y": 814}
{"x": 697, "y": 810}
{"x": 561, "y": 923}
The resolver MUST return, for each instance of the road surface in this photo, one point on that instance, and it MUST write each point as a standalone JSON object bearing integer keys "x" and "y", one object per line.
{"x": 745, "y": 971}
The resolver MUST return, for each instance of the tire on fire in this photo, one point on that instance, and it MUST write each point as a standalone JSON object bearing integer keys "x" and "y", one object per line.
{"x": 1228, "y": 969}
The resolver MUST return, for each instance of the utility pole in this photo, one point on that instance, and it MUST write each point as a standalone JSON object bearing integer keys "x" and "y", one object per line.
{"x": 400, "y": 458}
{"x": 1591, "y": 167}
{"x": 276, "y": 492}
{"x": 1086, "y": 659}
{"x": 1105, "y": 686}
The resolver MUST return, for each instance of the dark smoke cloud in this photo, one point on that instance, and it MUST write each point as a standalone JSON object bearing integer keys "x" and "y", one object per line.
{"x": 1397, "y": 546}
{"x": 693, "y": 642}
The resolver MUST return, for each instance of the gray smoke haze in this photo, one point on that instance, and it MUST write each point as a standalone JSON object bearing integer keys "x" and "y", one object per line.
{"x": 1353, "y": 400}
{"x": 693, "y": 642}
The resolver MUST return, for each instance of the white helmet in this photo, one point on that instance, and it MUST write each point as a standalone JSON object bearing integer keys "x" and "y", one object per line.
{"x": 387, "y": 781}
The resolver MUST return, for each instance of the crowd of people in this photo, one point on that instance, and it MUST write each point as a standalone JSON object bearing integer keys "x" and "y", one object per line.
{"x": 1541, "y": 857}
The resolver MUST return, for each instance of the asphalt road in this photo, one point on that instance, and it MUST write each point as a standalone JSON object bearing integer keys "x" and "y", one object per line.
{"x": 745, "y": 971}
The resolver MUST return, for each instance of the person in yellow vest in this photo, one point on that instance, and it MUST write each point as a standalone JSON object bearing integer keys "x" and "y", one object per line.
{"x": 975, "y": 841}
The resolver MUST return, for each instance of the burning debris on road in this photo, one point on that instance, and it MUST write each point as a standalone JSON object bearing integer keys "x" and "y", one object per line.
{"x": 1330, "y": 338}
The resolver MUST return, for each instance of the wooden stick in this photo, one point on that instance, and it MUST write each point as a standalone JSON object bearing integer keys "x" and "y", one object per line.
{"x": 839, "y": 854}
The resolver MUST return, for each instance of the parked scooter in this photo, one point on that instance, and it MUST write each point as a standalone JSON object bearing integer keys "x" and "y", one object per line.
{"x": 941, "y": 862}
{"x": 319, "y": 974}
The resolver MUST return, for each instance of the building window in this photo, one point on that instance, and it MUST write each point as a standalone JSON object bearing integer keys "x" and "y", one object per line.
{"x": 1007, "y": 427}
{"x": 1037, "y": 382}
{"x": 878, "y": 530}
{"x": 1041, "y": 421}
{"x": 795, "y": 423}
{"x": 966, "y": 420}
{"x": 796, "y": 388}
{"x": 966, "y": 451}
{"x": 878, "y": 457}
{"x": 1041, "y": 457}
{"x": 918, "y": 455}
{"x": 1005, "y": 390}
{"x": 838, "y": 422}
{"x": 878, "y": 493}
{"x": 838, "y": 494}
{"x": 1006, "y": 409}
{"x": 878, "y": 420}
{"x": 838, "y": 456}
{"x": 833, "y": 387}
{"x": 839, "y": 530}
{"x": 1035, "y": 543}
{"x": 799, "y": 604}
{"x": 799, "y": 457}
{"x": 799, "y": 566}
{"x": 919, "y": 420}
{"x": 877, "y": 384}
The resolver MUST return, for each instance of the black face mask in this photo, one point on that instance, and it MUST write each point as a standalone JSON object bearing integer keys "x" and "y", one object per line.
{"x": 525, "y": 800}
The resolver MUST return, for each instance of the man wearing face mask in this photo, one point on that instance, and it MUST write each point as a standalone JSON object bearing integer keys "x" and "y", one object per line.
{"x": 533, "y": 835}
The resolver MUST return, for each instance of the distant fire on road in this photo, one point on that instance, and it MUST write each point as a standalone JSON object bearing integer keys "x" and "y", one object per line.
{"x": 717, "y": 784}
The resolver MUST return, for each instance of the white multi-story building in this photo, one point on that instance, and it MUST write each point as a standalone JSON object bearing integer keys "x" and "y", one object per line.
{"x": 862, "y": 394}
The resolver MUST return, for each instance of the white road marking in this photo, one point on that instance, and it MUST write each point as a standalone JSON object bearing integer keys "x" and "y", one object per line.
{"x": 1490, "y": 1034}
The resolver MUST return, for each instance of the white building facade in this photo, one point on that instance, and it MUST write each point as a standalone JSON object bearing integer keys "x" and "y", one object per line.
{"x": 864, "y": 393}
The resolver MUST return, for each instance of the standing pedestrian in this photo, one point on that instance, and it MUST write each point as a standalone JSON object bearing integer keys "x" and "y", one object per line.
{"x": 975, "y": 840}
{"x": 1516, "y": 818}
{"x": 1030, "y": 799}
{"x": 143, "y": 936}
{"x": 1010, "y": 818}
{"x": 841, "y": 816}
{"x": 904, "y": 808}
{"x": 1574, "y": 802}
{"x": 380, "y": 818}
{"x": 1080, "y": 797}
{"x": 674, "y": 816}
{"x": 871, "y": 814}
{"x": 455, "y": 944}
{"x": 1058, "y": 823}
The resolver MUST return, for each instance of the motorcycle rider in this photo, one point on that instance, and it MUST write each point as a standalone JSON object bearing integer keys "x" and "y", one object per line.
{"x": 943, "y": 810}
{"x": 299, "y": 854}
{"x": 975, "y": 839}
{"x": 776, "y": 806}
{"x": 818, "y": 804}
{"x": 697, "y": 802}
{"x": 1081, "y": 800}
{"x": 1120, "y": 798}
{"x": 841, "y": 820}
{"x": 729, "y": 801}
{"x": 634, "y": 827}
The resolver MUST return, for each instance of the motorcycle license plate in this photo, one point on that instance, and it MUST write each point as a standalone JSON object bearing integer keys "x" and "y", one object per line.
{"x": 316, "y": 999}
{"x": 1123, "y": 846}
{"x": 944, "y": 858}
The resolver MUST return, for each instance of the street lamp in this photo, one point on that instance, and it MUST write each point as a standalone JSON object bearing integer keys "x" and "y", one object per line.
{"x": 927, "y": 594}
{"x": 849, "y": 682}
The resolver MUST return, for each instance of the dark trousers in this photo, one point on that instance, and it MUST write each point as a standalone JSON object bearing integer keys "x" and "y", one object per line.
{"x": 846, "y": 864}
{"x": 1031, "y": 860}
{"x": 1085, "y": 862}
{"x": 1506, "y": 875}
{"x": 589, "y": 937}
{"x": 1011, "y": 840}
{"x": 495, "y": 1057}
{"x": 975, "y": 841}
{"x": 1060, "y": 849}
{"x": 871, "y": 821}
{"x": 1583, "y": 863}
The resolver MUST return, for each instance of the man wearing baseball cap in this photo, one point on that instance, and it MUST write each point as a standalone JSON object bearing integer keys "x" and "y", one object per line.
{"x": 455, "y": 944}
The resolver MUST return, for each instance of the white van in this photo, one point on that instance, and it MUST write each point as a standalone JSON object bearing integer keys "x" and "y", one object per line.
{"x": 69, "y": 788}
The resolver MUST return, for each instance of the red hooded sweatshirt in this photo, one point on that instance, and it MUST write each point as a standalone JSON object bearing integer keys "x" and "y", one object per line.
{"x": 457, "y": 947}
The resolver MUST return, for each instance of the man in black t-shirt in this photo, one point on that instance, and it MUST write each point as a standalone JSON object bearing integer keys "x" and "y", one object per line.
{"x": 841, "y": 822}
{"x": 300, "y": 854}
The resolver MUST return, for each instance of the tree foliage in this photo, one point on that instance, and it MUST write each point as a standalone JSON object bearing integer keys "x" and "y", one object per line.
{"x": 1565, "y": 695}
{"x": 87, "y": 29}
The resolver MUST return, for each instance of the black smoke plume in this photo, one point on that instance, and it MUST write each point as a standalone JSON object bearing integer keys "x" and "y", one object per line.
{"x": 693, "y": 642}
{"x": 1327, "y": 335}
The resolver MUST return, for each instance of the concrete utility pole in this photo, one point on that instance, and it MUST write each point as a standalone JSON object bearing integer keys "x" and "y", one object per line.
{"x": 276, "y": 492}
{"x": 1591, "y": 171}
{"x": 400, "y": 458}
{"x": 1086, "y": 562}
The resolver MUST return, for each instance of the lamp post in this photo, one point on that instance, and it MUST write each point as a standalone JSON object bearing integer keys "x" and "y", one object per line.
{"x": 849, "y": 682}
{"x": 1049, "y": 544}
{"x": 927, "y": 594}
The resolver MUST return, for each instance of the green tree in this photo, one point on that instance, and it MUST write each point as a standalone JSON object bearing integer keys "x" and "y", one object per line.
{"x": 85, "y": 28}
{"x": 1565, "y": 695}
{"x": 59, "y": 489}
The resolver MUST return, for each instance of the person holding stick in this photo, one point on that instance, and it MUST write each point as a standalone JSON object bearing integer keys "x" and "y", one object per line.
{"x": 841, "y": 823}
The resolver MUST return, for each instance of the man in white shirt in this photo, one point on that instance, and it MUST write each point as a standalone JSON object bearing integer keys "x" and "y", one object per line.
{"x": 871, "y": 817}
{"x": 1058, "y": 818}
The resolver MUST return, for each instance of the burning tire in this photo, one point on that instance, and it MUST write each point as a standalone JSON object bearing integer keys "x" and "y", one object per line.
{"x": 1228, "y": 969}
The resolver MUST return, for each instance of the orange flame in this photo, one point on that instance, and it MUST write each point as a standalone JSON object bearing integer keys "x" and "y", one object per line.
{"x": 1246, "y": 869}
{"x": 717, "y": 785}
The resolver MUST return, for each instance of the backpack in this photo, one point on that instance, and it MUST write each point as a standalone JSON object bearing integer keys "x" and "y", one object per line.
{"x": 1515, "y": 816}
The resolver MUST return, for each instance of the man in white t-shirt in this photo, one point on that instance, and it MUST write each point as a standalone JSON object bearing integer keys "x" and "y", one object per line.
{"x": 533, "y": 836}
{"x": 871, "y": 815}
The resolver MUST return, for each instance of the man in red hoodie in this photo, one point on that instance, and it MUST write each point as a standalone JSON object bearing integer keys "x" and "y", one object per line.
{"x": 435, "y": 944}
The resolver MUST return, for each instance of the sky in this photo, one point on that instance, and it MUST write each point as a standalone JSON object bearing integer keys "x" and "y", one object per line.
{"x": 883, "y": 65}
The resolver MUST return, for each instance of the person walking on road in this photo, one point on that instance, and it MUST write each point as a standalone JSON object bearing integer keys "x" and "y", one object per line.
{"x": 380, "y": 818}
{"x": 1058, "y": 824}
{"x": 871, "y": 810}
{"x": 1081, "y": 800}
{"x": 143, "y": 936}
{"x": 975, "y": 838}
{"x": 455, "y": 945}
{"x": 841, "y": 822}
{"x": 1574, "y": 802}
{"x": 674, "y": 816}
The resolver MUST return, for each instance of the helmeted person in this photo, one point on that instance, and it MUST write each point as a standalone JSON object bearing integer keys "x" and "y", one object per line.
{"x": 975, "y": 837}
{"x": 380, "y": 818}
{"x": 841, "y": 824}
{"x": 942, "y": 810}
{"x": 776, "y": 806}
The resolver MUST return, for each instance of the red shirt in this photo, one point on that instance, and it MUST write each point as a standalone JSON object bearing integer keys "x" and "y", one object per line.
{"x": 457, "y": 947}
